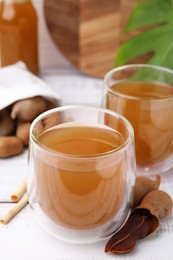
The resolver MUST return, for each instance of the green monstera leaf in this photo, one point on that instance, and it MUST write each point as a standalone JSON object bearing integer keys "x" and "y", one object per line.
{"x": 157, "y": 39}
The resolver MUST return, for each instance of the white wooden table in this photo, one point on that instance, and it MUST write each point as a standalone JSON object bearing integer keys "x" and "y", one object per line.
{"x": 22, "y": 238}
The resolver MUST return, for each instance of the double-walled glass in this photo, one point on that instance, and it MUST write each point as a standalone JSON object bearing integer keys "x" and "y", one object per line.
{"x": 81, "y": 172}
{"x": 144, "y": 95}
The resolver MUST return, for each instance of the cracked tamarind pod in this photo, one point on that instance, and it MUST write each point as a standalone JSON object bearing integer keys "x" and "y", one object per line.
{"x": 143, "y": 221}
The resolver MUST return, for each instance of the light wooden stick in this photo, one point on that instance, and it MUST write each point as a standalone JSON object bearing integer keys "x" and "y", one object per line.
{"x": 15, "y": 210}
{"x": 19, "y": 191}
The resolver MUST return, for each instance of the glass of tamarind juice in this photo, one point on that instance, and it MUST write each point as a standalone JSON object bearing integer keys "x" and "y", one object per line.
{"x": 144, "y": 95}
{"x": 81, "y": 172}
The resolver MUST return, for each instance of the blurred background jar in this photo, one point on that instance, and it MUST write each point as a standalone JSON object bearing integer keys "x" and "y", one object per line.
{"x": 18, "y": 33}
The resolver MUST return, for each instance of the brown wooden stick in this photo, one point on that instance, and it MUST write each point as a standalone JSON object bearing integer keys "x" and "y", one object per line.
{"x": 10, "y": 214}
{"x": 19, "y": 191}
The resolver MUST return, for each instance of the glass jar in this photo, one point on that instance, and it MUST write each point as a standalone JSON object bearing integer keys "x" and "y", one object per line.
{"x": 18, "y": 33}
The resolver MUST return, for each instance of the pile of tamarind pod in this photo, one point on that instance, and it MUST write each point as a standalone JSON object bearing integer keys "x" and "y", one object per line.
{"x": 15, "y": 122}
{"x": 150, "y": 205}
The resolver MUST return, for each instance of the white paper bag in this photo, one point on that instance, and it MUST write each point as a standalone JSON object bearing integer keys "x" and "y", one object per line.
{"x": 16, "y": 83}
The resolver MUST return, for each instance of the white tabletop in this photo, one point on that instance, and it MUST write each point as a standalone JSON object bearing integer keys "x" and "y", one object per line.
{"x": 22, "y": 238}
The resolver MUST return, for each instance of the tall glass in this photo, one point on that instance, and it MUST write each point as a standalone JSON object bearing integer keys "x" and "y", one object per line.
{"x": 81, "y": 172}
{"x": 144, "y": 95}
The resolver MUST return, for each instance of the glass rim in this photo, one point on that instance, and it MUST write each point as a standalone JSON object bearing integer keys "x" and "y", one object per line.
{"x": 131, "y": 66}
{"x": 124, "y": 146}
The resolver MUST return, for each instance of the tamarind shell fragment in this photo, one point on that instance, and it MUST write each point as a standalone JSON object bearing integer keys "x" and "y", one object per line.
{"x": 143, "y": 186}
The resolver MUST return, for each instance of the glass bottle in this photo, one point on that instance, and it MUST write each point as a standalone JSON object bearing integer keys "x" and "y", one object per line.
{"x": 18, "y": 33}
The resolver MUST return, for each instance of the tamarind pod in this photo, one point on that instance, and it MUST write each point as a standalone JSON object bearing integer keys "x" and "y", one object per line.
{"x": 143, "y": 221}
{"x": 28, "y": 109}
{"x": 50, "y": 121}
{"x": 143, "y": 186}
{"x": 49, "y": 104}
{"x": 157, "y": 202}
{"x": 22, "y": 131}
{"x": 7, "y": 124}
{"x": 9, "y": 146}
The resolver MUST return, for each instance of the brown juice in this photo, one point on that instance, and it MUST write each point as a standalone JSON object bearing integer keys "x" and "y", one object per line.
{"x": 18, "y": 34}
{"x": 76, "y": 186}
{"x": 149, "y": 107}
